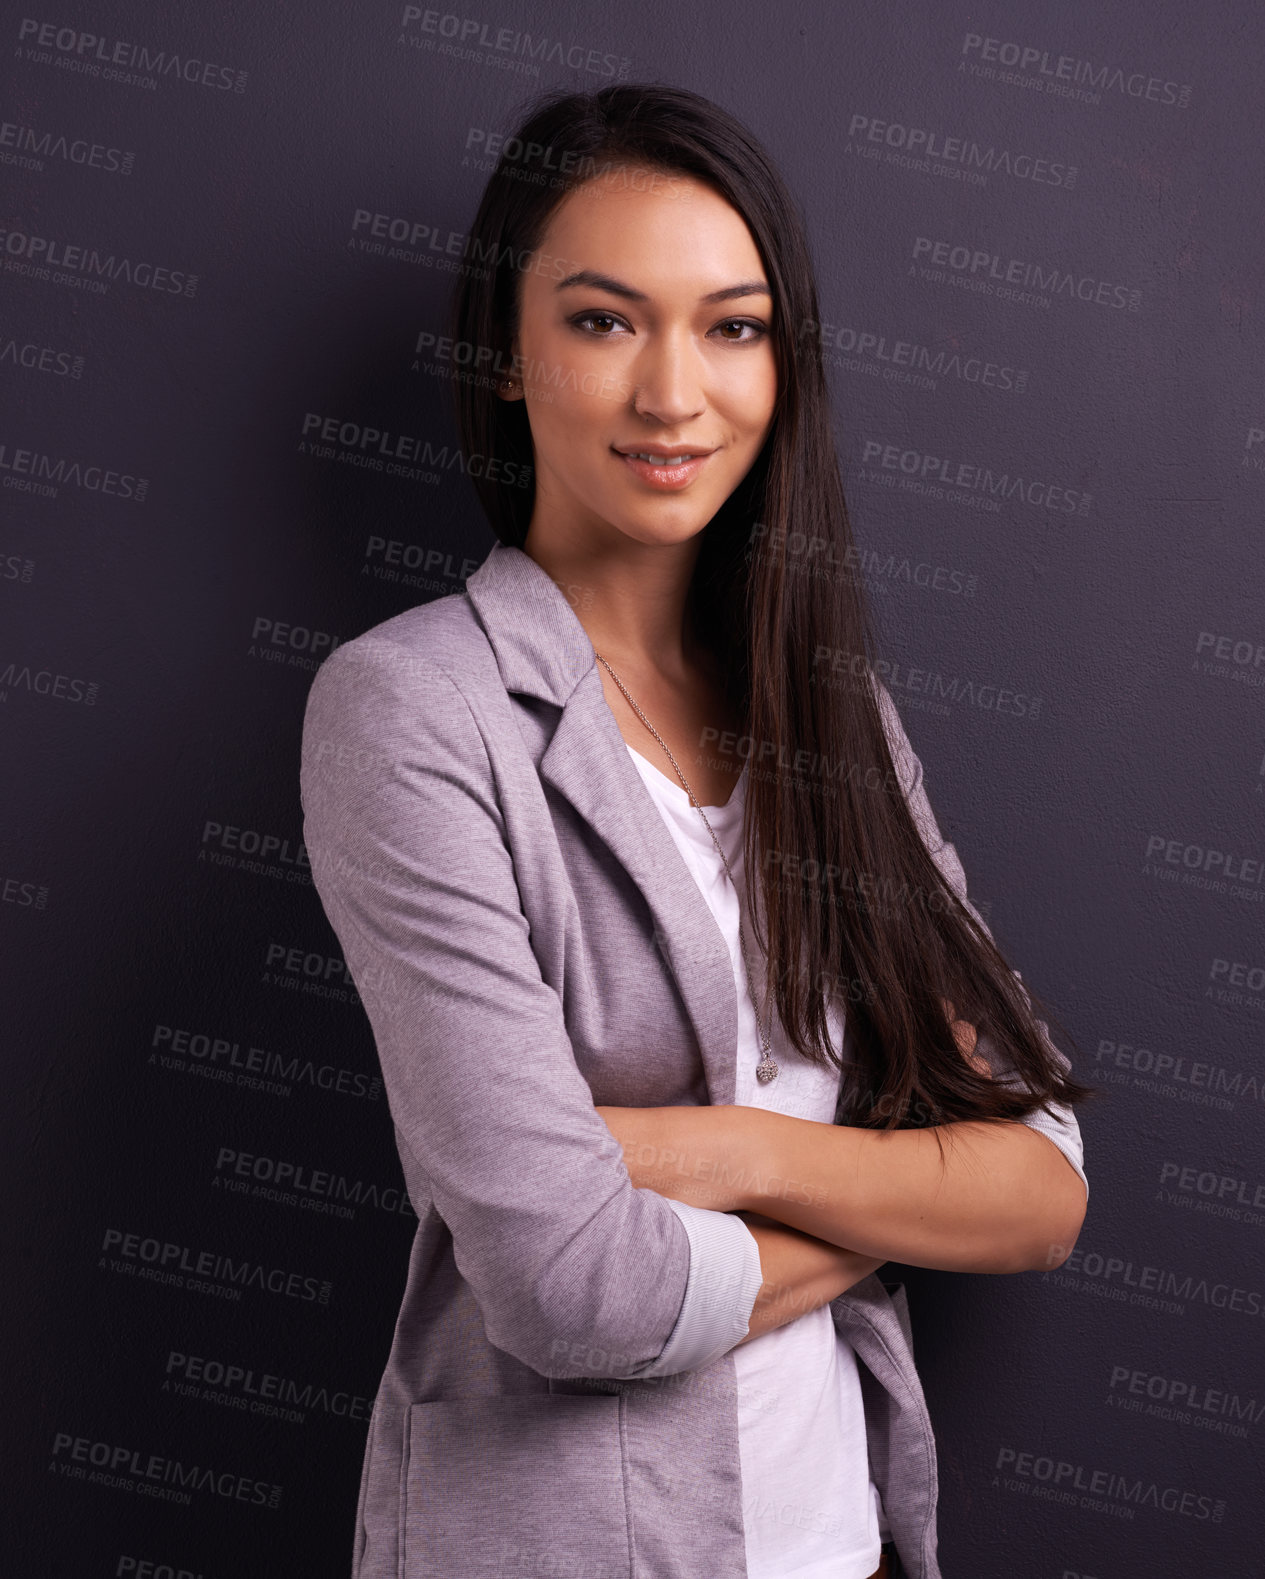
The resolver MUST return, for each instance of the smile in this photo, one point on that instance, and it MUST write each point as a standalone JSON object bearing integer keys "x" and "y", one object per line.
{"x": 665, "y": 471}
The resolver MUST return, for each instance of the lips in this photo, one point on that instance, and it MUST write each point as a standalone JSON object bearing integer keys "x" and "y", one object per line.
{"x": 670, "y": 468}
{"x": 665, "y": 454}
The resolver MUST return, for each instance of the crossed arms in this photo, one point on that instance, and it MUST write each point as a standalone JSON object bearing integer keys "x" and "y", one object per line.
{"x": 829, "y": 1204}
{"x": 1003, "y": 1199}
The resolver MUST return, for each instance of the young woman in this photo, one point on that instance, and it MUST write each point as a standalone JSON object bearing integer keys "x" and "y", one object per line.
{"x": 686, "y": 1022}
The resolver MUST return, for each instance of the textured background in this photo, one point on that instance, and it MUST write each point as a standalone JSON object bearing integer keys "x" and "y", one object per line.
{"x": 1076, "y": 640}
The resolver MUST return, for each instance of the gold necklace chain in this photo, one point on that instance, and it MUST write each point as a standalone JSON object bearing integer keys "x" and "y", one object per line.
{"x": 767, "y": 1068}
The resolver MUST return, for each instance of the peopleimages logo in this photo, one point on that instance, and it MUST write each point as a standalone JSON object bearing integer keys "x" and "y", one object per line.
{"x": 922, "y": 144}
{"x": 946, "y": 477}
{"x": 219, "y": 1058}
{"x": 296, "y": 1184}
{"x": 1065, "y": 75}
{"x": 161, "y": 1261}
{"x": 32, "y": 471}
{"x": 249, "y": 850}
{"x": 1120, "y": 1273}
{"x": 87, "y": 268}
{"x": 36, "y": 358}
{"x": 1239, "y": 658}
{"x": 377, "y": 449}
{"x": 17, "y": 567}
{"x": 1176, "y": 1075}
{"x": 509, "y": 48}
{"x": 259, "y": 1392}
{"x": 837, "y": 667}
{"x": 153, "y": 1474}
{"x": 1204, "y": 866}
{"x": 900, "y": 361}
{"x": 115, "y": 60}
{"x": 1237, "y": 983}
{"x": 412, "y": 565}
{"x": 805, "y": 554}
{"x": 1217, "y": 1194}
{"x": 1124, "y": 1488}
{"x": 28, "y": 148}
{"x": 1188, "y": 1402}
{"x": 1015, "y": 278}
{"x": 289, "y": 643}
{"x": 16, "y": 676}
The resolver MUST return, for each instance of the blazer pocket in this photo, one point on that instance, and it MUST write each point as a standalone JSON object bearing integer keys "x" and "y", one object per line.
{"x": 499, "y": 1486}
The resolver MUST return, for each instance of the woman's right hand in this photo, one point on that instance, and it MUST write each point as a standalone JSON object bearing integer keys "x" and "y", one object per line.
{"x": 966, "y": 1036}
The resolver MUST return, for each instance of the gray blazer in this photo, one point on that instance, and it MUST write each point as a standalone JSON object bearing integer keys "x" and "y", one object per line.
{"x": 559, "y": 1397}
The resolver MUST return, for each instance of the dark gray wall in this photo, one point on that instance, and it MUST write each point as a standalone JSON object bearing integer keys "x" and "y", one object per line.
{"x": 1047, "y": 383}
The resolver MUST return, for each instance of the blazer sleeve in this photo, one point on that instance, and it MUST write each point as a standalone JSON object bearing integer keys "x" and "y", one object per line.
{"x": 576, "y": 1273}
{"x": 1062, "y": 1129}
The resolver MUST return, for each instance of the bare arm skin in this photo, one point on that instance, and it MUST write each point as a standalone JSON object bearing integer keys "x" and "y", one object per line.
{"x": 1002, "y": 1199}
{"x": 801, "y": 1273}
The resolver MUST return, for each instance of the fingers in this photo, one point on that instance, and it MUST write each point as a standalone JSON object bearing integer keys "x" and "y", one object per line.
{"x": 963, "y": 1030}
{"x": 965, "y": 1035}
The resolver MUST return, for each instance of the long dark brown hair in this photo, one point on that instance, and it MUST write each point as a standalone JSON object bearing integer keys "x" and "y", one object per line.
{"x": 868, "y": 919}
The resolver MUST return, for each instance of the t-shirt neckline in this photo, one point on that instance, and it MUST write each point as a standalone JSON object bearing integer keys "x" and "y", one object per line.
{"x": 678, "y": 790}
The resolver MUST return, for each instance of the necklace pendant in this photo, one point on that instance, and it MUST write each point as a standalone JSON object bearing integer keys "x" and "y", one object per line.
{"x": 766, "y": 1070}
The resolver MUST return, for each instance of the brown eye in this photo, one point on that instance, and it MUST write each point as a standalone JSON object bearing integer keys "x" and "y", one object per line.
{"x": 591, "y": 318}
{"x": 741, "y": 323}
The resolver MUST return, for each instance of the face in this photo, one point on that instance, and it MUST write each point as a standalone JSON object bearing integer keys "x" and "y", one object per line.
{"x": 645, "y": 327}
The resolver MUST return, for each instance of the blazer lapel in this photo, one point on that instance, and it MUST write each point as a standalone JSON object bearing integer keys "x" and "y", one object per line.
{"x": 542, "y": 650}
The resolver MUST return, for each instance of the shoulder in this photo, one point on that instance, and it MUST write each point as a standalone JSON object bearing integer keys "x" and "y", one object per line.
{"x": 421, "y": 657}
{"x": 415, "y": 683}
{"x": 441, "y": 636}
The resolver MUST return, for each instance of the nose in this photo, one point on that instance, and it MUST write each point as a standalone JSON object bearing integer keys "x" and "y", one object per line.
{"x": 667, "y": 381}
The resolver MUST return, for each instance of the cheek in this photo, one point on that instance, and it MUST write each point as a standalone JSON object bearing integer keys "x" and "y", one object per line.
{"x": 750, "y": 398}
{"x": 569, "y": 434}
{"x": 575, "y": 409}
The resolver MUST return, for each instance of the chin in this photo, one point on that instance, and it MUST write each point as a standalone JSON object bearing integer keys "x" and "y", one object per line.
{"x": 661, "y": 534}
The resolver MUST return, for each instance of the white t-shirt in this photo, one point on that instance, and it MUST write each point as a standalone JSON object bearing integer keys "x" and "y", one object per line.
{"x": 810, "y": 1508}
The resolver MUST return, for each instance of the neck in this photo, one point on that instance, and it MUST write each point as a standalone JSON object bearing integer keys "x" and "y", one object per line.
{"x": 630, "y": 598}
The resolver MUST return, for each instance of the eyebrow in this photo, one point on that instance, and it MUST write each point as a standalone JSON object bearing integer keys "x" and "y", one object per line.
{"x": 606, "y": 282}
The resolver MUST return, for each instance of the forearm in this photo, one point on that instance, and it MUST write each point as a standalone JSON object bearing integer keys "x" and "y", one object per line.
{"x": 1000, "y": 1198}
{"x": 801, "y": 1273}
